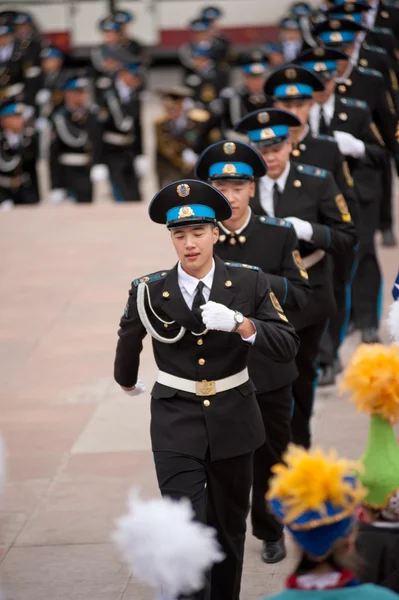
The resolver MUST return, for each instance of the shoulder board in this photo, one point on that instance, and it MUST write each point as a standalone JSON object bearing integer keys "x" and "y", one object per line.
{"x": 274, "y": 221}
{"x": 150, "y": 278}
{"x": 310, "y": 170}
{"x": 352, "y": 102}
{"x": 325, "y": 138}
{"x": 375, "y": 49}
{"x": 199, "y": 115}
{"x": 383, "y": 30}
{"x": 392, "y": 3}
{"x": 367, "y": 71}
{"x": 236, "y": 264}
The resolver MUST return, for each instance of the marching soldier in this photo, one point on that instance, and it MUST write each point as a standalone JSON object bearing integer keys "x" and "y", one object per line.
{"x": 366, "y": 84}
{"x": 12, "y": 77}
{"x": 205, "y": 79}
{"x": 124, "y": 18}
{"x": 350, "y": 122}
{"x": 220, "y": 42}
{"x": 119, "y": 128}
{"x": 30, "y": 45}
{"x": 290, "y": 37}
{"x": 73, "y": 144}
{"x": 204, "y": 317}
{"x": 18, "y": 150}
{"x": 49, "y": 97}
{"x": 250, "y": 95}
{"x": 309, "y": 198}
{"x": 182, "y": 133}
{"x": 270, "y": 244}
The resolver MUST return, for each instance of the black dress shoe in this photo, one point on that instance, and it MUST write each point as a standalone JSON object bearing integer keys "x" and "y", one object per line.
{"x": 327, "y": 376}
{"x": 388, "y": 238}
{"x": 370, "y": 336}
{"x": 273, "y": 552}
{"x": 338, "y": 366}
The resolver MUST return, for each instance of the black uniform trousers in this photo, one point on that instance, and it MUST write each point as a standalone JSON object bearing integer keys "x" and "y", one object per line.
{"x": 305, "y": 384}
{"x": 124, "y": 181}
{"x": 386, "y": 206}
{"x": 219, "y": 493}
{"x": 367, "y": 281}
{"x": 78, "y": 184}
{"x": 276, "y": 408}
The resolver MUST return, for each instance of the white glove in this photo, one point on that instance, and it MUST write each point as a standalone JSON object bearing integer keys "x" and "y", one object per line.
{"x": 43, "y": 96}
{"x": 141, "y": 165}
{"x": 6, "y": 205}
{"x": 189, "y": 157}
{"x": 139, "y": 388}
{"x": 57, "y": 196}
{"x": 41, "y": 123}
{"x": 99, "y": 173}
{"x": 303, "y": 229}
{"x": 217, "y": 316}
{"x": 349, "y": 145}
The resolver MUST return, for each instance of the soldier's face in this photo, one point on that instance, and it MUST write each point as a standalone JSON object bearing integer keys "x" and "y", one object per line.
{"x": 13, "y": 123}
{"x": 111, "y": 37}
{"x": 300, "y": 108}
{"x": 131, "y": 80}
{"x": 329, "y": 88}
{"x": 254, "y": 84}
{"x": 5, "y": 40}
{"x": 194, "y": 247}
{"x": 23, "y": 31}
{"x": 76, "y": 98}
{"x": 276, "y": 158}
{"x": 51, "y": 65}
{"x": 238, "y": 193}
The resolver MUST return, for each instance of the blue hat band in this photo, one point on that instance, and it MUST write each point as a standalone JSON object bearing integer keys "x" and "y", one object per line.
{"x": 5, "y": 30}
{"x": 337, "y": 36}
{"x": 290, "y": 90}
{"x": 133, "y": 68}
{"x": 356, "y": 17}
{"x": 53, "y": 53}
{"x": 76, "y": 84}
{"x": 258, "y": 68}
{"x": 189, "y": 211}
{"x": 11, "y": 109}
{"x": 200, "y": 26}
{"x": 233, "y": 168}
{"x": 111, "y": 26}
{"x": 328, "y": 65}
{"x": 268, "y": 133}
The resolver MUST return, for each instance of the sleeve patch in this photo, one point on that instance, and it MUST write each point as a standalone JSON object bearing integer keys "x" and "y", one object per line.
{"x": 343, "y": 208}
{"x": 347, "y": 174}
{"x": 275, "y": 302}
{"x": 299, "y": 263}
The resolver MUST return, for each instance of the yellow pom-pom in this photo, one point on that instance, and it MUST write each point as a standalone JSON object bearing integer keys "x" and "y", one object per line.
{"x": 310, "y": 479}
{"x": 372, "y": 377}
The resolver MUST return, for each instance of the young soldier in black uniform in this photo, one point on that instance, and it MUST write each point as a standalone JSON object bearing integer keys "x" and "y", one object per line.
{"x": 270, "y": 244}
{"x": 205, "y": 79}
{"x": 30, "y": 45}
{"x": 204, "y": 316}
{"x": 350, "y": 121}
{"x": 250, "y": 95}
{"x": 49, "y": 97}
{"x": 74, "y": 145}
{"x": 181, "y": 133}
{"x": 220, "y": 42}
{"x": 309, "y": 198}
{"x": 12, "y": 77}
{"x": 18, "y": 151}
{"x": 119, "y": 129}
{"x": 124, "y": 18}
{"x": 368, "y": 85}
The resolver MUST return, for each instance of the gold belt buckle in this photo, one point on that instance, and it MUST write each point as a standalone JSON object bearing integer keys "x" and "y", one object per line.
{"x": 205, "y": 388}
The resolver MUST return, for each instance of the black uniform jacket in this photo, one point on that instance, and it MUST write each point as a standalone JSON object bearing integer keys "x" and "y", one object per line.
{"x": 379, "y": 552}
{"x": 312, "y": 195}
{"x": 377, "y": 58}
{"x": 229, "y": 424}
{"x": 17, "y": 164}
{"x": 354, "y": 117}
{"x": 322, "y": 151}
{"x": 238, "y": 103}
{"x": 270, "y": 244}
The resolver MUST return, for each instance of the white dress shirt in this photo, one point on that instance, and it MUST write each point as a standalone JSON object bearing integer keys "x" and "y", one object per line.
{"x": 266, "y": 185}
{"x": 124, "y": 91}
{"x": 188, "y": 287}
{"x": 6, "y": 52}
{"x": 237, "y": 231}
{"x": 314, "y": 115}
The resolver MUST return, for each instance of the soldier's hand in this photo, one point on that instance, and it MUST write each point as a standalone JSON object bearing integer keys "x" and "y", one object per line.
{"x": 141, "y": 164}
{"x": 139, "y": 388}
{"x": 99, "y": 173}
{"x": 189, "y": 157}
{"x": 349, "y": 145}
{"x": 218, "y": 317}
{"x": 303, "y": 229}
{"x": 57, "y": 196}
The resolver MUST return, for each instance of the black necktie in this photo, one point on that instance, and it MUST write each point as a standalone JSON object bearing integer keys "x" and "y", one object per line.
{"x": 199, "y": 300}
{"x": 276, "y": 197}
{"x": 323, "y": 129}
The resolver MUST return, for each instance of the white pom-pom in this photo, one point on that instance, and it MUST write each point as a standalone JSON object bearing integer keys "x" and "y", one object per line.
{"x": 393, "y": 321}
{"x": 164, "y": 547}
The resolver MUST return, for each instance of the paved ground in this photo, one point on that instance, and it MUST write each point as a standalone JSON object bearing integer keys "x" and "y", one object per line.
{"x": 76, "y": 444}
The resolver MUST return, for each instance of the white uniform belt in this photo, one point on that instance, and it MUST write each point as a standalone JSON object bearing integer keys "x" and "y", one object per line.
{"x": 117, "y": 139}
{"x": 203, "y": 388}
{"x": 313, "y": 259}
{"x": 71, "y": 159}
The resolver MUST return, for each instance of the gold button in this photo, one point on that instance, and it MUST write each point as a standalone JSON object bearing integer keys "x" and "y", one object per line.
{"x": 201, "y": 361}
{"x": 222, "y": 238}
{"x": 165, "y": 294}
{"x": 348, "y": 82}
{"x": 233, "y": 241}
{"x": 341, "y": 89}
{"x": 364, "y": 62}
{"x": 384, "y": 14}
{"x": 302, "y": 147}
{"x": 297, "y": 183}
{"x": 165, "y": 325}
{"x": 206, "y": 403}
{"x": 296, "y": 152}
{"x": 228, "y": 283}
{"x": 343, "y": 116}
{"x": 200, "y": 342}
